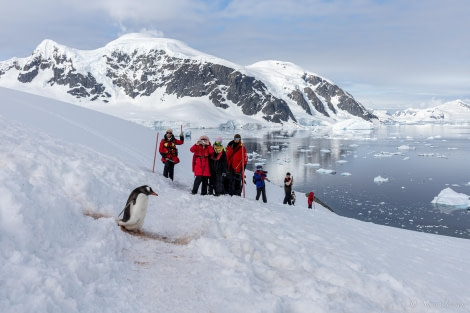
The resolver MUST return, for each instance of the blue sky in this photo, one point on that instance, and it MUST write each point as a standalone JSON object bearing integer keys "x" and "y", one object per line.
{"x": 387, "y": 54}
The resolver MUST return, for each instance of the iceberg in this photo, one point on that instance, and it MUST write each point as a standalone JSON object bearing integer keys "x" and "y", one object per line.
{"x": 452, "y": 198}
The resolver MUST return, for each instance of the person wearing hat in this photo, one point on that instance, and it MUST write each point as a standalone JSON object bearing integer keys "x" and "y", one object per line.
{"x": 288, "y": 181}
{"x": 169, "y": 152}
{"x": 218, "y": 166}
{"x": 202, "y": 150}
{"x": 259, "y": 177}
{"x": 236, "y": 163}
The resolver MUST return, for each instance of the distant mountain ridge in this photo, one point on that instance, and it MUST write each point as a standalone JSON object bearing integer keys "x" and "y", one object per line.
{"x": 450, "y": 112}
{"x": 136, "y": 68}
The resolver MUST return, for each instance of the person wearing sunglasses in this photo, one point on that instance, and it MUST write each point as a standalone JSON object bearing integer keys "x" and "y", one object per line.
{"x": 169, "y": 152}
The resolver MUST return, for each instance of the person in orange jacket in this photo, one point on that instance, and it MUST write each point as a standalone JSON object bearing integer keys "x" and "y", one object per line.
{"x": 202, "y": 150}
{"x": 169, "y": 152}
{"x": 236, "y": 163}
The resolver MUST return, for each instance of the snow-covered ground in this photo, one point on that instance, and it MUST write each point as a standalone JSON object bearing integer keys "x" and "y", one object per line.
{"x": 61, "y": 163}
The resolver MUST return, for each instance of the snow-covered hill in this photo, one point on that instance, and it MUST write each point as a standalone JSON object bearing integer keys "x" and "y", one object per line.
{"x": 62, "y": 164}
{"x": 450, "y": 112}
{"x": 155, "y": 79}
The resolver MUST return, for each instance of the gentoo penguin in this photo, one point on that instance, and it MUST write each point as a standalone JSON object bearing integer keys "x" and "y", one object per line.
{"x": 136, "y": 208}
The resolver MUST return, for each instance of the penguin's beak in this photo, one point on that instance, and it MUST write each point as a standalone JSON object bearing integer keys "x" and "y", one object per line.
{"x": 153, "y": 193}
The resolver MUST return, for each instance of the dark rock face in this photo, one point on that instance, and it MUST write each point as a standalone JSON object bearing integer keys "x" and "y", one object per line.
{"x": 63, "y": 73}
{"x": 345, "y": 101}
{"x": 188, "y": 78}
{"x": 140, "y": 74}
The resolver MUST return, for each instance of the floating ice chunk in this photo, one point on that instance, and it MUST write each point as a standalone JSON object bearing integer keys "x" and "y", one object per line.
{"x": 325, "y": 171}
{"x": 379, "y": 180}
{"x": 404, "y": 147}
{"x": 346, "y": 174}
{"x": 451, "y": 198}
{"x": 385, "y": 154}
{"x": 341, "y": 161}
{"x": 275, "y": 147}
{"x": 325, "y": 150}
{"x": 312, "y": 164}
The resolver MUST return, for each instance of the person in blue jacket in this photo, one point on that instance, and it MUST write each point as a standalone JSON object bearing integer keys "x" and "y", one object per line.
{"x": 259, "y": 178}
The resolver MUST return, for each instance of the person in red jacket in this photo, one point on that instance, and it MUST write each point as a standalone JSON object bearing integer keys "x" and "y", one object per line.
{"x": 310, "y": 199}
{"x": 201, "y": 150}
{"x": 236, "y": 163}
{"x": 169, "y": 152}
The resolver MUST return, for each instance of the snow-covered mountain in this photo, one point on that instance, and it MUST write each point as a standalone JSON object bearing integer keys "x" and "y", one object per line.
{"x": 450, "y": 112}
{"x": 163, "y": 76}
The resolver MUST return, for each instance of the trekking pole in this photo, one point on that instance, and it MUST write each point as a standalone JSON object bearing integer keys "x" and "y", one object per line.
{"x": 243, "y": 171}
{"x": 155, "y": 154}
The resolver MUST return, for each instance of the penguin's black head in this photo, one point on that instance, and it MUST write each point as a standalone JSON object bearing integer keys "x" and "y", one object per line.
{"x": 146, "y": 190}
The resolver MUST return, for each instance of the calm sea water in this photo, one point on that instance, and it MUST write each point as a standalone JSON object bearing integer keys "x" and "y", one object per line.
{"x": 414, "y": 164}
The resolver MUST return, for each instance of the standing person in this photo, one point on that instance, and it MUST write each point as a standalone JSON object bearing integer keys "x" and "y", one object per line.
{"x": 259, "y": 177}
{"x": 169, "y": 152}
{"x": 310, "y": 199}
{"x": 288, "y": 181}
{"x": 218, "y": 167}
{"x": 292, "y": 195}
{"x": 201, "y": 150}
{"x": 236, "y": 163}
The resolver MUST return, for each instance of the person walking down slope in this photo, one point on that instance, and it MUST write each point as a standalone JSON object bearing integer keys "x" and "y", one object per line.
{"x": 288, "y": 181}
{"x": 218, "y": 166}
{"x": 169, "y": 152}
{"x": 259, "y": 177}
{"x": 202, "y": 151}
{"x": 236, "y": 163}
{"x": 310, "y": 199}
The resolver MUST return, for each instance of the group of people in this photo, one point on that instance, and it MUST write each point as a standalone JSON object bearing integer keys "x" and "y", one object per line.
{"x": 218, "y": 170}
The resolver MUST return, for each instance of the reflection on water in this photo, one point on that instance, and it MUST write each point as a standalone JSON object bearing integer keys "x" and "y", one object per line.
{"x": 387, "y": 176}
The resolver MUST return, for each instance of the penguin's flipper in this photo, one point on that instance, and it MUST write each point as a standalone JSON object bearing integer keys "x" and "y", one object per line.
{"x": 127, "y": 213}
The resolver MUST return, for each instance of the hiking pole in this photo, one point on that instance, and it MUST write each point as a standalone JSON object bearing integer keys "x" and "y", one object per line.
{"x": 243, "y": 172}
{"x": 155, "y": 154}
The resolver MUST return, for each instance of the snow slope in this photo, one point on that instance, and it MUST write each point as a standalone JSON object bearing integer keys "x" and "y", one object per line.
{"x": 227, "y": 254}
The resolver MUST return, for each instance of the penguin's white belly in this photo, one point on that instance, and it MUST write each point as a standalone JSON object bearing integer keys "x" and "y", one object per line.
{"x": 138, "y": 212}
